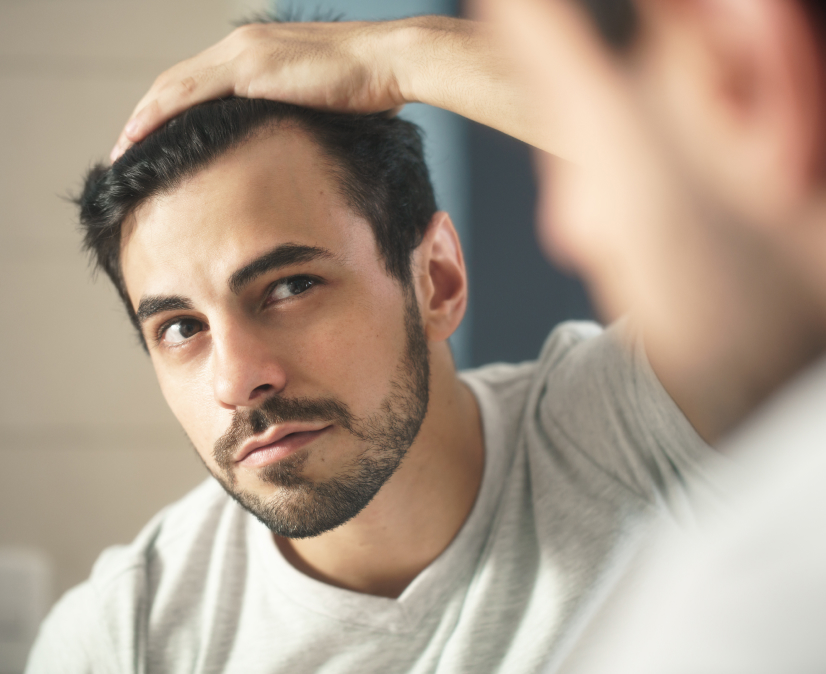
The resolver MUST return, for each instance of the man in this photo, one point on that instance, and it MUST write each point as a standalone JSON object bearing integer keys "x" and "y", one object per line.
{"x": 703, "y": 181}
{"x": 294, "y": 287}
{"x": 698, "y": 127}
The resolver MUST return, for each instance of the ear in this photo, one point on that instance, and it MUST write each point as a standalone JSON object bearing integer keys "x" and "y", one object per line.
{"x": 741, "y": 86}
{"x": 440, "y": 279}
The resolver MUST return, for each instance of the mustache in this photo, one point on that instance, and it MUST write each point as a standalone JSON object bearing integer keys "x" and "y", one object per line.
{"x": 278, "y": 410}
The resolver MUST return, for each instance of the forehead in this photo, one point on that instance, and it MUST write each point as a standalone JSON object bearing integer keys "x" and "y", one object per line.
{"x": 273, "y": 190}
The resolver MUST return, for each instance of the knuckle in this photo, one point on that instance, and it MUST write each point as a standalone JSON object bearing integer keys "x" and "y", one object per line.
{"x": 187, "y": 85}
{"x": 161, "y": 80}
{"x": 248, "y": 34}
{"x": 247, "y": 60}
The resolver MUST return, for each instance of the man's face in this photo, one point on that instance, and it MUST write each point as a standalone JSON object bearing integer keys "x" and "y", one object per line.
{"x": 296, "y": 365}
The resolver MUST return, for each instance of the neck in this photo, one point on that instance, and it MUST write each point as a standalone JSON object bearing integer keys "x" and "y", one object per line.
{"x": 420, "y": 509}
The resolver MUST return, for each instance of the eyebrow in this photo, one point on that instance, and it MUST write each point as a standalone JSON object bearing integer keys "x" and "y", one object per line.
{"x": 281, "y": 256}
{"x": 155, "y": 304}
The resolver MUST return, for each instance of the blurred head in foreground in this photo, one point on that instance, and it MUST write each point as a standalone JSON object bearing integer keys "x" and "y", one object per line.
{"x": 695, "y": 194}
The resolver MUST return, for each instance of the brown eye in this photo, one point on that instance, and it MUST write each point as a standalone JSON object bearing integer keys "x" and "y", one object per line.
{"x": 181, "y": 330}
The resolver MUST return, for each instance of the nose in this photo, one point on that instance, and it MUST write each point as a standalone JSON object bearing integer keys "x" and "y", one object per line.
{"x": 245, "y": 366}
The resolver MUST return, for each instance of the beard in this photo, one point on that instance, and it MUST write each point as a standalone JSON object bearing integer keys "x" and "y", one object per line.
{"x": 300, "y": 507}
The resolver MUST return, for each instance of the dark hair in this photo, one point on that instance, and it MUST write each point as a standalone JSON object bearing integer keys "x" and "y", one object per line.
{"x": 616, "y": 20}
{"x": 377, "y": 161}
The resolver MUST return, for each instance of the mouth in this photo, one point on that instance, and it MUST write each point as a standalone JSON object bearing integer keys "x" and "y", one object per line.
{"x": 278, "y": 443}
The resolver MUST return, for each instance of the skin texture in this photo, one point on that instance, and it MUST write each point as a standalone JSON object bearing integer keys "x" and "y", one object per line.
{"x": 343, "y": 339}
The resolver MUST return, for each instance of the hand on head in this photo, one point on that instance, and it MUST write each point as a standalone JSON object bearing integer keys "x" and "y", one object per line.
{"x": 332, "y": 66}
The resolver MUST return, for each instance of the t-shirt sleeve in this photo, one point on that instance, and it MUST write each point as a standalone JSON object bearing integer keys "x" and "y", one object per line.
{"x": 597, "y": 396}
{"x": 96, "y": 626}
{"x": 72, "y": 637}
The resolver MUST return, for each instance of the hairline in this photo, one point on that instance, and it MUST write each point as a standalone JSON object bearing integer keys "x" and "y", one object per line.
{"x": 266, "y": 129}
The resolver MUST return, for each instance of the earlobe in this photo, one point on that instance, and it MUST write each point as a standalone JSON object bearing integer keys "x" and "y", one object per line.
{"x": 441, "y": 278}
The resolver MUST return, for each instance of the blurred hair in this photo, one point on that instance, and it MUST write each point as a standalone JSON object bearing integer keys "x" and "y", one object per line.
{"x": 817, "y": 13}
{"x": 377, "y": 162}
{"x": 617, "y": 20}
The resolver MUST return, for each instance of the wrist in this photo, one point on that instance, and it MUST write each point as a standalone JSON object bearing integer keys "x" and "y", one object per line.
{"x": 416, "y": 47}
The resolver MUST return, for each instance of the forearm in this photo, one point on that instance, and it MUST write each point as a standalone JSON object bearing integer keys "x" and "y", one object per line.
{"x": 461, "y": 66}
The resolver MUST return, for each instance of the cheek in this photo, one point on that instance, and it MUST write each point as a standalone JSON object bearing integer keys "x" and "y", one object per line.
{"x": 353, "y": 356}
{"x": 191, "y": 399}
{"x": 350, "y": 353}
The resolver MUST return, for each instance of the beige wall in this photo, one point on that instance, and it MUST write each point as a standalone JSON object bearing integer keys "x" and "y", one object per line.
{"x": 88, "y": 450}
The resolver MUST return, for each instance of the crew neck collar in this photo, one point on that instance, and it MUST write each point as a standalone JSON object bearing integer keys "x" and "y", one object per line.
{"x": 453, "y": 568}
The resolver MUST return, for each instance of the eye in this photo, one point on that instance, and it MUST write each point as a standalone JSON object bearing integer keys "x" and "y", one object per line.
{"x": 180, "y": 330}
{"x": 290, "y": 287}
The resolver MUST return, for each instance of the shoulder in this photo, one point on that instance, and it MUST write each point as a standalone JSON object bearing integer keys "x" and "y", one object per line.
{"x": 174, "y": 529}
{"x": 71, "y": 639}
{"x": 516, "y": 400}
{"x": 587, "y": 376}
{"x": 578, "y": 360}
{"x": 102, "y": 622}
{"x": 570, "y": 337}
{"x": 592, "y": 400}
{"x": 578, "y": 351}
{"x": 510, "y": 382}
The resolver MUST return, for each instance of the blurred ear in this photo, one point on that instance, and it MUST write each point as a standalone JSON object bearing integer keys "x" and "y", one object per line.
{"x": 440, "y": 279}
{"x": 739, "y": 87}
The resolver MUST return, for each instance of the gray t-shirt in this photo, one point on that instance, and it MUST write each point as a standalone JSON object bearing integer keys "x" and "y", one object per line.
{"x": 580, "y": 446}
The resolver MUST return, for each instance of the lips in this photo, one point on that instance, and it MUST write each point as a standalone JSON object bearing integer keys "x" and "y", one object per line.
{"x": 278, "y": 441}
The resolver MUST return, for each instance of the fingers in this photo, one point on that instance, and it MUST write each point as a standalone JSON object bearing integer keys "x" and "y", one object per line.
{"x": 322, "y": 65}
{"x": 203, "y": 77}
{"x": 164, "y": 102}
{"x": 130, "y": 133}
